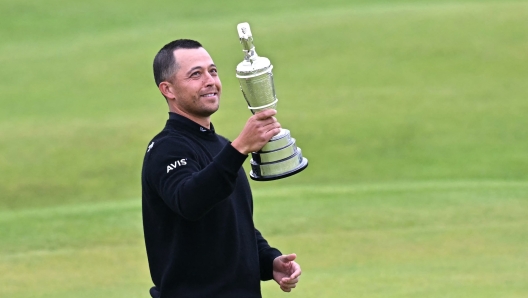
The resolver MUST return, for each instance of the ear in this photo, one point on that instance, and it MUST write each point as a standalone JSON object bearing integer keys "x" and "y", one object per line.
{"x": 167, "y": 90}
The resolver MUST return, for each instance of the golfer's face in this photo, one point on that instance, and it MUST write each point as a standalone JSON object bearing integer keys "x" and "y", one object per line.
{"x": 196, "y": 82}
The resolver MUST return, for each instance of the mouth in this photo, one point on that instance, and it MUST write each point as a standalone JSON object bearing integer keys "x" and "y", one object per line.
{"x": 209, "y": 95}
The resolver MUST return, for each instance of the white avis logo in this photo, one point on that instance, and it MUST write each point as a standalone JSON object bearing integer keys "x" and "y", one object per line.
{"x": 176, "y": 164}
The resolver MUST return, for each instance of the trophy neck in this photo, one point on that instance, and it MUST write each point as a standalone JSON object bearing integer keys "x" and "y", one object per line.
{"x": 247, "y": 43}
{"x": 250, "y": 54}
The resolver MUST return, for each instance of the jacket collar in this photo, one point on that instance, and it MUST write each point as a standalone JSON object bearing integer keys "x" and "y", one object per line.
{"x": 180, "y": 122}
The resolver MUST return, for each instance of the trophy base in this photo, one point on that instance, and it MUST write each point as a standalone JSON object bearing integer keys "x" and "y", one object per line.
{"x": 299, "y": 168}
{"x": 279, "y": 158}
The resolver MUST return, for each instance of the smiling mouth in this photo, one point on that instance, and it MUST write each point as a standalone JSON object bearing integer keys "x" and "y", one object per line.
{"x": 209, "y": 95}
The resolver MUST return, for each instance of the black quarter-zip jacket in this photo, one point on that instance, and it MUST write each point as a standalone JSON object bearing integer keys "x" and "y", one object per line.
{"x": 198, "y": 216}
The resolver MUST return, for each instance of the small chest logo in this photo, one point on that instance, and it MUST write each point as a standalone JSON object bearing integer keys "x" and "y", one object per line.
{"x": 178, "y": 163}
{"x": 150, "y": 146}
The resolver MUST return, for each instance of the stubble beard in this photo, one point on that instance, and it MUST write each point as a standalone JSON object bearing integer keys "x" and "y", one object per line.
{"x": 202, "y": 109}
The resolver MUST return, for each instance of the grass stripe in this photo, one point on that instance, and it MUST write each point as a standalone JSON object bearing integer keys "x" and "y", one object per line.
{"x": 388, "y": 186}
{"x": 281, "y": 191}
{"x": 77, "y": 209}
{"x": 117, "y": 36}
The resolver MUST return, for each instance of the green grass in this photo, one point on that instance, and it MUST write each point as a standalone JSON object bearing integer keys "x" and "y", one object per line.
{"x": 411, "y": 113}
{"x": 432, "y": 239}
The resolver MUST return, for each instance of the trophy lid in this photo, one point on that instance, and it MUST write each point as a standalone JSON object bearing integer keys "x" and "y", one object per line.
{"x": 256, "y": 67}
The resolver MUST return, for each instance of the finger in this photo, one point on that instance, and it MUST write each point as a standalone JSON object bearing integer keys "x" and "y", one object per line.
{"x": 272, "y": 132}
{"x": 288, "y": 286}
{"x": 287, "y": 280}
{"x": 285, "y": 289}
{"x": 297, "y": 271}
{"x": 267, "y": 121}
{"x": 272, "y": 125}
{"x": 258, "y": 123}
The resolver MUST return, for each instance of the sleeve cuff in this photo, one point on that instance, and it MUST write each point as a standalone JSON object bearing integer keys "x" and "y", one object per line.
{"x": 266, "y": 263}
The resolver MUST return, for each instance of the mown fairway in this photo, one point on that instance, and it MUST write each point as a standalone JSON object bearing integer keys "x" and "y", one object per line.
{"x": 411, "y": 113}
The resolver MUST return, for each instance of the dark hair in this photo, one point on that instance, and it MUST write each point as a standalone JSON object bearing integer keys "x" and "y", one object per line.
{"x": 164, "y": 63}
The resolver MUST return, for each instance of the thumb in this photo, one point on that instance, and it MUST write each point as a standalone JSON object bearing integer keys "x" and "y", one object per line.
{"x": 288, "y": 258}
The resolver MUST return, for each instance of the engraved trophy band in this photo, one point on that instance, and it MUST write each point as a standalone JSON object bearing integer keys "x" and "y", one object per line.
{"x": 280, "y": 157}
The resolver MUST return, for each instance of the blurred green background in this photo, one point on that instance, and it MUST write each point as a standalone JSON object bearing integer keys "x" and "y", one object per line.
{"x": 411, "y": 113}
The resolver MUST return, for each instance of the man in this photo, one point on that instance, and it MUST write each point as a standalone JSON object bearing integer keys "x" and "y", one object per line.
{"x": 197, "y": 205}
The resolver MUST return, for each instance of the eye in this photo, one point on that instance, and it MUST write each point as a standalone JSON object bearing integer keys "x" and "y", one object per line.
{"x": 214, "y": 71}
{"x": 195, "y": 74}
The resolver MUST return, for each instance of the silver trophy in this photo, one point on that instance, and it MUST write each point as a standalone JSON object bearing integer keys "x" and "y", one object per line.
{"x": 280, "y": 157}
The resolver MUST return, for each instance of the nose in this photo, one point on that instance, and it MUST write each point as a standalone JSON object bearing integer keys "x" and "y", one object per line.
{"x": 208, "y": 79}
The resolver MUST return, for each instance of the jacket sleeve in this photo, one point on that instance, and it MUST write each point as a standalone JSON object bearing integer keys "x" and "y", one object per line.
{"x": 188, "y": 188}
{"x": 266, "y": 256}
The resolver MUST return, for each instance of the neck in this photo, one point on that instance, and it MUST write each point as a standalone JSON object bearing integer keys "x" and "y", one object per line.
{"x": 203, "y": 121}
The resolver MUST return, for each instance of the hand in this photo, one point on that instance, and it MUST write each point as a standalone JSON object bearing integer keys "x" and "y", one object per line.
{"x": 259, "y": 129}
{"x": 286, "y": 272}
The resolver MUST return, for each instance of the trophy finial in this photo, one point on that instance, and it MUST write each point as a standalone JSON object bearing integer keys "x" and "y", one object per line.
{"x": 244, "y": 32}
{"x": 246, "y": 39}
